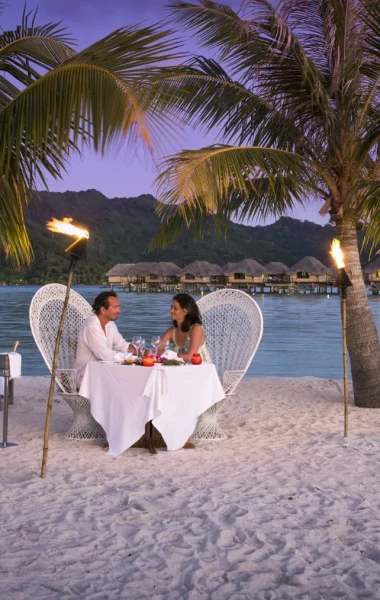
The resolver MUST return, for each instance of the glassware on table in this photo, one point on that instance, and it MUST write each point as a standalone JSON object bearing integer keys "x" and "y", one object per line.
{"x": 136, "y": 342}
{"x": 156, "y": 339}
{"x": 142, "y": 346}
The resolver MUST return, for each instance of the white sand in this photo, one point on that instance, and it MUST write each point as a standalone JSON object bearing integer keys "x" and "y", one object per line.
{"x": 286, "y": 508}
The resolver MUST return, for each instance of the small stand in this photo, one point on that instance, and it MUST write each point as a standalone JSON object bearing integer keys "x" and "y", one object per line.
{"x": 5, "y": 372}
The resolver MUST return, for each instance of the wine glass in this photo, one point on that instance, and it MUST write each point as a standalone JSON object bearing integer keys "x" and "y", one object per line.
{"x": 155, "y": 343}
{"x": 136, "y": 342}
{"x": 142, "y": 346}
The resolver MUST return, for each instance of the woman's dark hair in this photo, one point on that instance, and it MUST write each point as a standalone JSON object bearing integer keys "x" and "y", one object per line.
{"x": 193, "y": 315}
{"x": 101, "y": 301}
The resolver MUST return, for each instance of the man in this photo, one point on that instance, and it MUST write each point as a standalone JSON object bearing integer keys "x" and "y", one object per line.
{"x": 99, "y": 338}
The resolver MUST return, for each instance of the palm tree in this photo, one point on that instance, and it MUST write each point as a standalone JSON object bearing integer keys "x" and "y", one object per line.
{"x": 295, "y": 98}
{"x": 53, "y": 98}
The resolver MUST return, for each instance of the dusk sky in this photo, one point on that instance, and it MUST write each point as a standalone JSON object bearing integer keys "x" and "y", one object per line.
{"x": 128, "y": 173}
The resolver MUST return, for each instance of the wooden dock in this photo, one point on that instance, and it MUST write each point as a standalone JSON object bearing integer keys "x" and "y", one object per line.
{"x": 256, "y": 288}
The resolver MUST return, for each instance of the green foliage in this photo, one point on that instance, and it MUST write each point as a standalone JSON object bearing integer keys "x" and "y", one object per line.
{"x": 52, "y": 99}
{"x": 121, "y": 229}
{"x": 295, "y": 95}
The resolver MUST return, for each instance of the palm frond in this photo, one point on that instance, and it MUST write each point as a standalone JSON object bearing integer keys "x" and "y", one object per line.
{"x": 370, "y": 16}
{"x": 101, "y": 95}
{"x": 93, "y": 94}
{"x": 269, "y": 59}
{"x": 30, "y": 47}
{"x": 365, "y": 206}
{"x": 13, "y": 234}
{"x": 225, "y": 182}
{"x": 203, "y": 94}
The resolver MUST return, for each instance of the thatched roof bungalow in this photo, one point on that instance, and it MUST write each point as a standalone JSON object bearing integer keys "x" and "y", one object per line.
{"x": 201, "y": 271}
{"x": 372, "y": 271}
{"x": 277, "y": 272}
{"x": 276, "y": 268}
{"x": 245, "y": 272}
{"x": 155, "y": 272}
{"x": 229, "y": 267}
{"x": 310, "y": 270}
{"x": 119, "y": 274}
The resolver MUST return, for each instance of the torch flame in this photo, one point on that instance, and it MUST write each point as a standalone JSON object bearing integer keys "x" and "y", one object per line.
{"x": 337, "y": 254}
{"x": 66, "y": 227}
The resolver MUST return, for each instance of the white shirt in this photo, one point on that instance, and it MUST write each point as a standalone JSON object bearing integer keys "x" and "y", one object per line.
{"x": 94, "y": 345}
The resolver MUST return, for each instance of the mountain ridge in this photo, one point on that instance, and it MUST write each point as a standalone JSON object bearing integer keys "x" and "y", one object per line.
{"x": 121, "y": 228}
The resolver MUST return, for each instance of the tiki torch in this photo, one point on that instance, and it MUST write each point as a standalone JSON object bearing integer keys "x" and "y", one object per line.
{"x": 342, "y": 282}
{"x": 77, "y": 251}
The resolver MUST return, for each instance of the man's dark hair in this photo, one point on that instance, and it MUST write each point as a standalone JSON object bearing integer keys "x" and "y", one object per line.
{"x": 102, "y": 301}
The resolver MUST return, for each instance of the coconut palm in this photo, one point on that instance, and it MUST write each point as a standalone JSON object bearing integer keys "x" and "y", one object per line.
{"x": 295, "y": 99}
{"x": 53, "y": 98}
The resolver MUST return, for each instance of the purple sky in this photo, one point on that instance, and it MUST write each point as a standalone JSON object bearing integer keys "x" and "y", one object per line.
{"x": 129, "y": 173}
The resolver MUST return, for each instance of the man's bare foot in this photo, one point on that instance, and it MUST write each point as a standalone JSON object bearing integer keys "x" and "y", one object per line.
{"x": 189, "y": 446}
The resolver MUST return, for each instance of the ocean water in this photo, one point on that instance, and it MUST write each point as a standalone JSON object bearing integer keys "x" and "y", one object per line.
{"x": 302, "y": 333}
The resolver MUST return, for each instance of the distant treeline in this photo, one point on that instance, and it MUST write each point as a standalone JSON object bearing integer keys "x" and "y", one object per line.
{"x": 121, "y": 228}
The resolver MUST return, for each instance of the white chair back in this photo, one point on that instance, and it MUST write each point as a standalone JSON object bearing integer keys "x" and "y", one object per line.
{"x": 45, "y": 314}
{"x": 233, "y": 324}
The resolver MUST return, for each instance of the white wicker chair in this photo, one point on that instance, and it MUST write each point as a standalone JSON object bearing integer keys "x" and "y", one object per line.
{"x": 44, "y": 314}
{"x": 233, "y": 324}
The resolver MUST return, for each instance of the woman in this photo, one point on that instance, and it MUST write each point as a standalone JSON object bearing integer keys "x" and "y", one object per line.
{"x": 187, "y": 333}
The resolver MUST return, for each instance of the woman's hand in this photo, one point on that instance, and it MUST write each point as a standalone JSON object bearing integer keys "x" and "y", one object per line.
{"x": 167, "y": 337}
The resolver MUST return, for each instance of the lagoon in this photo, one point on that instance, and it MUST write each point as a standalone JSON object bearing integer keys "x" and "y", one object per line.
{"x": 302, "y": 333}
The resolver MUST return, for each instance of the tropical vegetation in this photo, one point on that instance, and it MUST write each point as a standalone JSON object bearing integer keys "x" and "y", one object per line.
{"x": 122, "y": 228}
{"x": 54, "y": 101}
{"x": 293, "y": 92}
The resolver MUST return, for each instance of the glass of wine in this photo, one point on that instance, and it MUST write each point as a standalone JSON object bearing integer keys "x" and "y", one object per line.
{"x": 155, "y": 343}
{"x": 136, "y": 342}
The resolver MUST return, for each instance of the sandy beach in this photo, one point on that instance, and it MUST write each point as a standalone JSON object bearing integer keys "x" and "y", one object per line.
{"x": 286, "y": 508}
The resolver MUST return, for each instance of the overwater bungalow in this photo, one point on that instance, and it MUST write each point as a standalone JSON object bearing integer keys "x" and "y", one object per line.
{"x": 277, "y": 272}
{"x": 119, "y": 274}
{"x": 244, "y": 273}
{"x": 201, "y": 272}
{"x": 310, "y": 270}
{"x": 155, "y": 274}
{"x": 372, "y": 272}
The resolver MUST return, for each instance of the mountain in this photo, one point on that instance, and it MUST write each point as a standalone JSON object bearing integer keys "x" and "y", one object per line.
{"x": 121, "y": 228}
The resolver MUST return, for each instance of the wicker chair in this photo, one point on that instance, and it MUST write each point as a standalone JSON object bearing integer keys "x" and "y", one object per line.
{"x": 233, "y": 325}
{"x": 44, "y": 314}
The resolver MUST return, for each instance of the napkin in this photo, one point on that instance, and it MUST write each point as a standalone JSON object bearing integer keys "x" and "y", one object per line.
{"x": 171, "y": 355}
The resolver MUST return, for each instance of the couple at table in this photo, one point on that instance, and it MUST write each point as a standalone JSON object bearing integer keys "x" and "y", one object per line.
{"x": 100, "y": 340}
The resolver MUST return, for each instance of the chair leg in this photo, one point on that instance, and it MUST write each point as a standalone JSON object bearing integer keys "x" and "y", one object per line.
{"x": 208, "y": 429}
{"x": 84, "y": 427}
{"x": 85, "y": 431}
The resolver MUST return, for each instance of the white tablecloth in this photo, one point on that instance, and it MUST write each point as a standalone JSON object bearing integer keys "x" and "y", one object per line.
{"x": 15, "y": 368}
{"x": 124, "y": 398}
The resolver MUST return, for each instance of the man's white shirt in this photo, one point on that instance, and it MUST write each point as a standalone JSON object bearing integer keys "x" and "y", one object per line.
{"x": 95, "y": 345}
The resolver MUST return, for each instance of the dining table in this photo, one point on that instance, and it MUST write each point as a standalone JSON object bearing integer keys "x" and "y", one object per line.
{"x": 124, "y": 398}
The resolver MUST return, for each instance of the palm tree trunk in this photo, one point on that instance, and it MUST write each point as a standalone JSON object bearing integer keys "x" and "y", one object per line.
{"x": 362, "y": 338}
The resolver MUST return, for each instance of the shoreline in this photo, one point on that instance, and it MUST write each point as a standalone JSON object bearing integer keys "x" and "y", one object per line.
{"x": 285, "y": 508}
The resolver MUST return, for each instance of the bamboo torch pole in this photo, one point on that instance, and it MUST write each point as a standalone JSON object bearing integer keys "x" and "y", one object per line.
{"x": 342, "y": 282}
{"x": 345, "y": 379}
{"x": 54, "y": 369}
